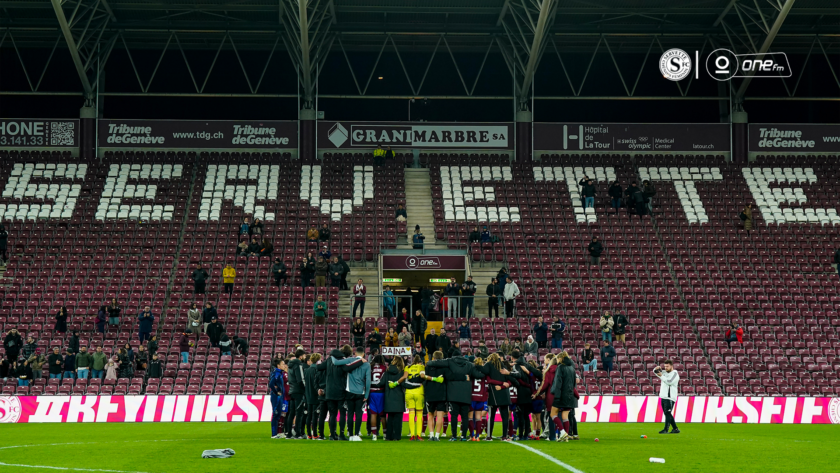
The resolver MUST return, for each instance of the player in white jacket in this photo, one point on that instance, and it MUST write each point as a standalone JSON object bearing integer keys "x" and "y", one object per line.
{"x": 668, "y": 392}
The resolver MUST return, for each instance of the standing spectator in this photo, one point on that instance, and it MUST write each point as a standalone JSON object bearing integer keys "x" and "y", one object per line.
{"x": 615, "y": 195}
{"x": 607, "y": 356}
{"x": 194, "y": 322}
{"x": 111, "y": 368}
{"x": 145, "y": 320}
{"x": 114, "y": 313}
{"x": 358, "y": 332}
{"x": 558, "y": 330}
{"x": 629, "y": 195}
{"x": 278, "y": 271}
{"x": 325, "y": 253}
{"x": 649, "y": 191}
{"x": 245, "y": 227}
{"x": 152, "y": 345}
{"x": 215, "y": 331}
{"x": 55, "y": 362}
{"x": 184, "y": 344}
{"x": 374, "y": 341}
{"x": 200, "y": 277}
{"x": 431, "y": 341}
{"x": 502, "y": 277}
{"x": 511, "y": 293}
{"x": 493, "y": 294}
{"x": 588, "y": 193}
{"x": 641, "y": 203}
{"x": 13, "y": 343}
{"x": 61, "y": 320}
{"x": 155, "y": 370}
{"x": 620, "y": 328}
{"x": 531, "y": 347}
{"x": 345, "y": 270}
{"x": 208, "y": 314}
{"x": 126, "y": 368}
{"x": 747, "y": 217}
{"x": 324, "y": 233}
{"x": 141, "y": 361}
{"x": 84, "y": 360}
{"x": 225, "y": 345}
{"x": 587, "y": 358}
{"x": 256, "y": 229}
{"x": 475, "y": 236}
{"x": 468, "y": 290}
{"x": 404, "y": 337}
{"x": 452, "y": 291}
{"x": 321, "y": 270}
{"x": 595, "y": 249}
{"x": 389, "y": 153}
{"x": 837, "y": 260}
{"x": 403, "y": 320}
{"x": 312, "y": 234}
{"x": 389, "y": 303}
{"x": 335, "y": 273}
{"x": 69, "y": 365}
{"x": 444, "y": 344}
{"x": 378, "y": 156}
{"x": 401, "y": 214}
{"x": 734, "y": 334}
{"x": 320, "y": 310}
{"x": 73, "y": 343}
{"x": 98, "y": 365}
{"x": 101, "y": 319}
{"x": 464, "y": 334}
{"x": 417, "y": 240}
{"x": 4, "y": 241}
{"x": 306, "y": 269}
{"x": 391, "y": 338}
{"x": 606, "y": 323}
{"x": 359, "y": 291}
{"x": 229, "y": 278}
{"x": 418, "y": 326}
{"x": 37, "y": 362}
{"x": 129, "y": 352}
{"x": 426, "y": 295}
{"x": 541, "y": 333}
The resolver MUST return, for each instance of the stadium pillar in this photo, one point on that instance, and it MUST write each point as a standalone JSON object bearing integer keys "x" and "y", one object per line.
{"x": 87, "y": 132}
{"x": 740, "y": 143}
{"x": 524, "y": 122}
{"x": 308, "y": 147}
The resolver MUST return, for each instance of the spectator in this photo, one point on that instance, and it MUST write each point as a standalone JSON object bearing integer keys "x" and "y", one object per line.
{"x": 145, "y": 320}
{"x": 358, "y": 332}
{"x": 4, "y": 241}
{"x": 359, "y": 291}
{"x": 431, "y": 341}
{"x": 486, "y": 237}
{"x": 511, "y": 292}
{"x": 607, "y": 356}
{"x": 595, "y": 249}
{"x": 278, "y": 271}
{"x": 320, "y": 310}
{"x": 324, "y": 233}
{"x": 129, "y": 352}
{"x": 444, "y": 344}
{"x": 464, "y": 334}
{"x": 641, "y": 203}
{"x": 345, "y": 270}
{"x": 541, "y": 333}
{"x": 306, "y": 269}
{"x": 240, "y": 346}
{"x": 152, "y": 345}
{"x": 23, "y": 372}
{"x": 98, "y": 364}
{"x": 417, "y": 239}
{"x": 255, "y": 248}
{"x": 418, "y": 326}
{"x": 588, "y": 193}
{"x": 649, "y": 191}
{"x": 194, "y": 319}
{"x": 452, "y": 292}
{"x": 256, "y": 229}
{"x": 267, "y": 248}
{"x": 225, "y": 345}
{"x": 37, "y": 362}
{"x": 426, "y": 295}
{"x": 13, "y": 343}
{"x": 321, "y": 270}
{"x": 505, "y": 348}
{"x": 374, "y": 341}
{"x": 531, "y": 347}
{"x": 312, "y": 234}
{"x": 587, "y": 359}
{"x": 389, "y": 153}
{"x": 629, "y": 194}
{"x": 615, "y": 195}
{"x": 401, "y": 214}
{"x": 517, "y": 345}
{"x": 389, "y": 303}
{"x": 101, "y": 319}
{"x": 155, "y": 370}
{"x": 502, "y": 278}
{"x": 208, "y": 314}
{"x": 391, "y": 338}
{"x": 61, "y": 320}
{"x": 228, "y": 279}
{"x": 184, "y": 344}
{"x": 620, "y": 327}
{"x": 837, "y": 260}
{"x": 378, "y": 156}
{"x": 558, "y": 330}
{"x": 55, "y": 362}
{"x": 114, "y": 313}
{"x": 126, "y": 367}
{"x": 747, "y": 217}
{"x": 215, "y": 331}
{"x": 482, "y": 350}
{"x": 607, "y": 323}
{"x": 245, "y": 227}
{"x": 335, "y": 273}
{"x": 200, "y": 277}
{"x": 468, "y": 289}
{"x": 73, "y": 343}
{"x": 83, "y": 362}
{"x": 69, "y": 365}
{"x": 734, "y": 334}
{"x": 325, "y": 253}
{"x": 475, "y": 235}
{"x": 242, "y": 248}
{"x": 405, "y": 338}
{"x": 141, "y": 361}
{"x": 403, "y": 320}
{"x": 493, "y": 294}
{"x": 111, "y": 368}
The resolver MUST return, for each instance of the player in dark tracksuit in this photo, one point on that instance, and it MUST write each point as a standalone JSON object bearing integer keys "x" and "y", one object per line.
{"x": 310, "y": 377}
{"x": 277, "y": 387}
{"x": 525, "y": 375}
{"x": 297, "y": 408}
{"x": 459, "y": 388}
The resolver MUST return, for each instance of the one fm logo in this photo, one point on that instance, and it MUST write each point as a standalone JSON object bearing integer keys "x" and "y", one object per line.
{"x": 414, "y": 262}
{"x": 723, "y": 65}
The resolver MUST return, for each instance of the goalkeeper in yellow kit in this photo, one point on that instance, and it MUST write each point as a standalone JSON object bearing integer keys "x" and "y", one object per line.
{"x": 414, "y": 398}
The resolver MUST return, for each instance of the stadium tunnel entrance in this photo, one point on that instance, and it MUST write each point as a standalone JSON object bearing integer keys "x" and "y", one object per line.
{"x": 407, "y": 272}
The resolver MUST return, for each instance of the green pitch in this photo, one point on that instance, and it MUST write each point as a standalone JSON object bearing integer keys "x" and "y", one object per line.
{"x": 177, "y": 448}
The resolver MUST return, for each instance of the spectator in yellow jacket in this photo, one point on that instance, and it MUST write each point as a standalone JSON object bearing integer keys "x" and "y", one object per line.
{"x": 229, "y": 277}
{"x": 312, "y": 234}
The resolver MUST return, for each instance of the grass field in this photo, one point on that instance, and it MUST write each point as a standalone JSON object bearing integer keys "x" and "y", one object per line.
{"x": 176, "y": 448}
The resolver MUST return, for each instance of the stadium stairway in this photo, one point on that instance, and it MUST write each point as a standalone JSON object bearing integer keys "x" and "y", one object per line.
{"x": 418, "y": 200}
{"x": 369, "y": 276}
{"x": 482, "y": 274}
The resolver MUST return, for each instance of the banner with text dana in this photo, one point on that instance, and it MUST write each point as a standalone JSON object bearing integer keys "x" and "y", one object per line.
{"x": 650, "y": 137}
{"x": 197, "y": 134}
{"x": 346, "y": 135}
{"x": 257, "y": 408}
{"x": 396, "y": 351}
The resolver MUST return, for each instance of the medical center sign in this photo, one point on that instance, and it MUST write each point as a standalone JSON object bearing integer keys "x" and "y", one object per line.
{"x": 411, "y": 135}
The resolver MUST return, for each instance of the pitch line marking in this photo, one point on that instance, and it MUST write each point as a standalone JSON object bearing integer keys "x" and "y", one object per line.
{"x": 547, "y": 457}
{"x": 65, "y": 468}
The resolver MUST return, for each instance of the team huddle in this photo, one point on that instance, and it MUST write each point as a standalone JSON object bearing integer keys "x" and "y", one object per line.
{"x": 533, "y": 400}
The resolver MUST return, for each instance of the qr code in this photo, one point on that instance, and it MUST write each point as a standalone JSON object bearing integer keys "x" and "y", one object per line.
{"x": 62, "y": 134}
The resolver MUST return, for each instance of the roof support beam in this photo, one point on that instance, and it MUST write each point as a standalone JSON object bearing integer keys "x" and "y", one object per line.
{"x": 768, "y": 41}
{"x": 74, "y": 51}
